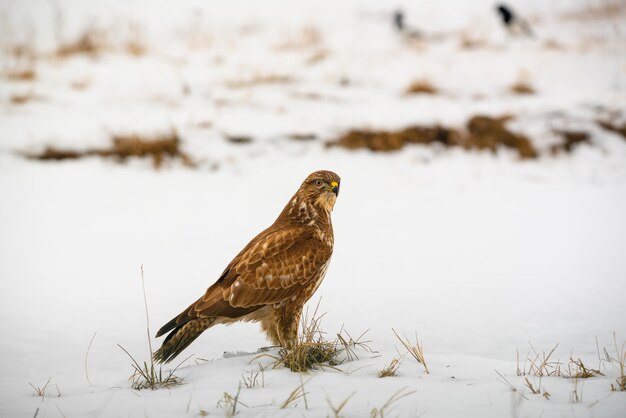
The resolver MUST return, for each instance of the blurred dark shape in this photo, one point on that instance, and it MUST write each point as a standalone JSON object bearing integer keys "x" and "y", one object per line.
{"x": 570, "y": 140}
{"x": 613, "y": 127}
{"x": 506, "y": 14}
{"x": 239, "y": 139}
{"x": 398, "y": 20}
{"x": 489, "y": 133}
{"x": 399, "y": 24}
{"x": 513, "y": 23}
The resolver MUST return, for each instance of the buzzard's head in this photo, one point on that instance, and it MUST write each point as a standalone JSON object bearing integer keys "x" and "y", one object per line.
{"x": 321, "y": 188}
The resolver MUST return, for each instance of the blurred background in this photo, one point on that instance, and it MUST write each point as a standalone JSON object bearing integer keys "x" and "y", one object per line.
{"x": 482, "y": 150}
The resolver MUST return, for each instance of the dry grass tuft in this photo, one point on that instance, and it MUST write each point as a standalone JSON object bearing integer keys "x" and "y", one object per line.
{"x": 415, "y": 350}
{"x": 159, "y": 148}
{"x": 539, "y": 364}
{"x": 577, "y": 369}
{"x": 41, "y": 391}
{"x": 422, "y": 86}
{"x": 570, "y": 141}
{"x": 391, "y": 370}
{"x": 522, "y": 87}
{"x": 312, "y": 349}
{"x": 148, "y": 376}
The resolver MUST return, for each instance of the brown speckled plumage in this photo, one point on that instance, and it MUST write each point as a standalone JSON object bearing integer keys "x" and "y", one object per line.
{"x": 271, "y": 279}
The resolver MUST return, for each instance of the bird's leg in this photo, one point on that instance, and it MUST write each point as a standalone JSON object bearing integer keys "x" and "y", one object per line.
{"x": 287, "y": 320}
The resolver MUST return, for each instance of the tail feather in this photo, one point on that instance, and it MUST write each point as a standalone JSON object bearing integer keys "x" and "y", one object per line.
{"x": 180, "y": 338}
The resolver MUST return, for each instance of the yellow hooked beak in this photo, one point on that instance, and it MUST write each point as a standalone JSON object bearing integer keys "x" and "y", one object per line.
{"x": 334, "y": 187}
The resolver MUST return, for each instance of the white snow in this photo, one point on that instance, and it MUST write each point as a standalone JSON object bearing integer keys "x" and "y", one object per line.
{"x": 479, "y": 254}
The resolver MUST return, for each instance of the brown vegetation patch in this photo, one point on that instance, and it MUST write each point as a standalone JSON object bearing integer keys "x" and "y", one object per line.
{"x": 482, "y": 132}
{"x": 571, "y": 140}
{"x": 26, "y": 74}
{"x": 395, "y": 140}
{"x": 553, "y": 44}
{"x": 600, "y": 11}
{"x": 260, "y": 79}
{"x": 610, "y": 126}
{"x": 80, "y": 84}
{"x": 56, "y": 154}
{"x": 20, "y": 99}
{"x": 91, "y": 42}
{"x": 159, "y": 148}
{"x": 471, "y": 42}
{"x": 488, "y": 133}
{"x": 522, "y": 87}
{"x": 301, "y": 137}
{"x": 421, "y": 87}
{"x": 317, "y": 56}
{"x": 20, "y": 63}
{"x": 135, "y": 47}
{"x": 307, "y": 38}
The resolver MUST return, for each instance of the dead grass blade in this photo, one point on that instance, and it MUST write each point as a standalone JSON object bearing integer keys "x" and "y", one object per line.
{"x": 297, "y": 393}
{"x": 380, "y": 412}
{"x": 337, "y": 409}
{"x": 86, "y": 355}
{"x": 41, "y": 391}
{"x": 416, "y": 350}
{"x": 147, "y": 376}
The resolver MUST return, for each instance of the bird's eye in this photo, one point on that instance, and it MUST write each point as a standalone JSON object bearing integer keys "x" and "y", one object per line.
{"x": 319, "y": 183}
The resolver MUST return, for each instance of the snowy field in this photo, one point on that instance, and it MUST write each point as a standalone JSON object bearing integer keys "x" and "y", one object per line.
{"x": 478, "y": 254}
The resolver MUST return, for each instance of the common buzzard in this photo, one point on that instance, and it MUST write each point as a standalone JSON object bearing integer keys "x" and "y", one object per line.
{"x": 271, "y": 279}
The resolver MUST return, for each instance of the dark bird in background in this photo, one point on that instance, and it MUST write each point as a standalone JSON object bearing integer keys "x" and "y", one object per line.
{"x": 400, "y": 25}
{"x": 271, "y": 279}
{"x": 513, "y": 23}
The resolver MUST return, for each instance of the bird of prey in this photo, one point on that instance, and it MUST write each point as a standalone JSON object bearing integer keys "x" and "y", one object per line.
{"x": 271, "y": 279}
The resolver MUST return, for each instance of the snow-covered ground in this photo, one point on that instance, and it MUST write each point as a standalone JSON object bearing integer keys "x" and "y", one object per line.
{"x": 479, "y": 254}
